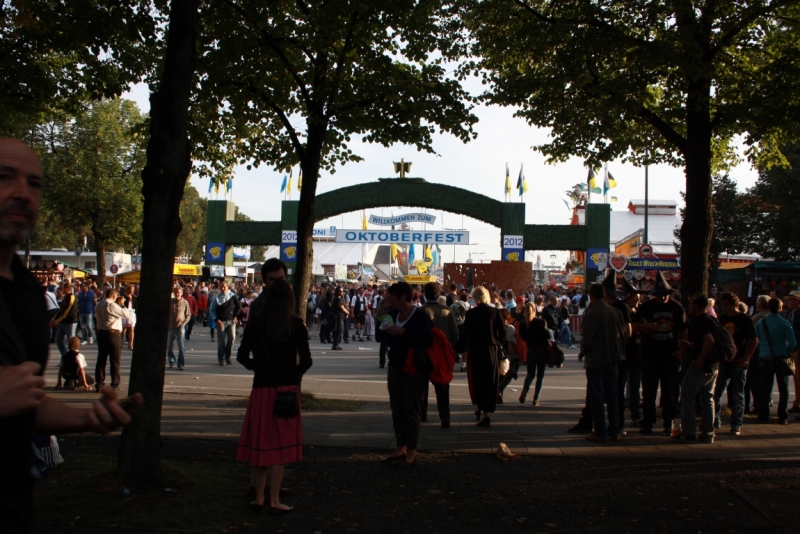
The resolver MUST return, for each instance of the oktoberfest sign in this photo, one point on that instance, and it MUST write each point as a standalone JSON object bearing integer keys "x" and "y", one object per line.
{"x": 401, "y": 219}
{"x": 402, "y": 236}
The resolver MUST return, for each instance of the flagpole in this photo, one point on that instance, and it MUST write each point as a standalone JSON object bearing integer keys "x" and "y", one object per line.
{"x": 605, "y": 181}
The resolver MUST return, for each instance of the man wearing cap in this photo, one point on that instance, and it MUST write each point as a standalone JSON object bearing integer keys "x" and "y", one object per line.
{"x": 793, "y": 302}
{"x": 665, "y": 325}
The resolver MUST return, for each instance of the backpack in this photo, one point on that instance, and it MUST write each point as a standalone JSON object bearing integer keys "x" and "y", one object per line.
{"x": 441, "y": 358}
{"x": 724, "y": 349}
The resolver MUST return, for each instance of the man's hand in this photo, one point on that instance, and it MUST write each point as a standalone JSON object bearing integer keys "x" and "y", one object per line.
{"x": 219, "y": 324}
{"x": 106, "y": 414}
{"x": 20, "y": 388}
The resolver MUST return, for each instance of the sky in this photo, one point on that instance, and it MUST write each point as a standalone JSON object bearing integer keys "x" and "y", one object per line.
{"x": 478, "y": 166}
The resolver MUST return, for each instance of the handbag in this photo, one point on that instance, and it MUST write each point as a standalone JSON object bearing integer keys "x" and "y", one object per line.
{"x": 782, "y": 365}
{"x": 555, "y": 356}
{"x": 286, "y": 402}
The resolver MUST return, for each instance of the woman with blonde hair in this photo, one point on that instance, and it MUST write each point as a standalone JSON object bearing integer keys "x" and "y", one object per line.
{"x": 536, "y": 335}
{"x": 484, "y": 335}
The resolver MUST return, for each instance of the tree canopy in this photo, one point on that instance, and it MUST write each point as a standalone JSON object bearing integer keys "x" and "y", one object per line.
{"x": 284, "y": 82}
{"x": 666, "y": 81}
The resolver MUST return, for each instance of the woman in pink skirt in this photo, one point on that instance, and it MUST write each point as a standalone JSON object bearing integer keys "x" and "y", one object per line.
{"x": 278, "y": 341}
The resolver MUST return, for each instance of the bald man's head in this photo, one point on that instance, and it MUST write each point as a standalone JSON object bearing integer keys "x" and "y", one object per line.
{"x": 21, "y": 181}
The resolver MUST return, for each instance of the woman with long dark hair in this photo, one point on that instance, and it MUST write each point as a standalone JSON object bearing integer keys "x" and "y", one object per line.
{"x": 484, "y": 335}
{"x": 278, "y": 340}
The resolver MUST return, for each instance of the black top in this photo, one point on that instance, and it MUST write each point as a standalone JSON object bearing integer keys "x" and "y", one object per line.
{"x": 69, "y": 363}
{"x": 483, "y": 326}
{"x": 536, "y": 336}
{"x": 23, "y": 299}
{"x": 417, "y": 334}
{"x": 336, "y": 307}
{"x": 698, "y": 327}
{"x": 741, "y": 329}
{"x": 671, "y": 319}
{"x": 551, "y": 316}
{"x": 275, "y": 362}
{"x": 228, "y": 309}
{"x": 69, "y": 305}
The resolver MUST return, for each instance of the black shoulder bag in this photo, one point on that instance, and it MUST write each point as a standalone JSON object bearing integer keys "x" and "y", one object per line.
{"x": 286, "y": 404}
{"x": 782, "y": 365}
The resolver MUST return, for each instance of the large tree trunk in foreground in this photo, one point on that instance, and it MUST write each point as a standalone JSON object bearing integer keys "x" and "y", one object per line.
{"x": 305, "y": 214}
{"x": 698, "y": 220}
{"x": 164, "y": 178}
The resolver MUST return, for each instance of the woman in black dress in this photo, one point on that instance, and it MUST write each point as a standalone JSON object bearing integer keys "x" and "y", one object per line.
{"x": 408, "y": 329}
{"x": 484, "y": 334}
{"x": 278, "y": 340}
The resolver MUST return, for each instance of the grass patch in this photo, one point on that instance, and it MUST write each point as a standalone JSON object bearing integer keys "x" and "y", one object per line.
{"x": 312, "y": 403}
{"x": 194, "y": 496}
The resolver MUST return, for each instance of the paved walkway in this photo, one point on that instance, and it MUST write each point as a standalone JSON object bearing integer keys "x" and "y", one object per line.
{"x": 525, "y": 429}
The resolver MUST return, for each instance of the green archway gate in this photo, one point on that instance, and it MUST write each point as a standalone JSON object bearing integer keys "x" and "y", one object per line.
{"x": 223, "y": 232}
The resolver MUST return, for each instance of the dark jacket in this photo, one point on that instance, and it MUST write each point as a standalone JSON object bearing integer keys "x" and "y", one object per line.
{"x": 68, "y": 310}
{"x": 603, "y": 335}
{"x": 275, "y": 362}
{"x": 535, "y": 335}
{"x": 443, "y": 319}
{"x": 552, "y": 317}
{"x": 483, "y": 327}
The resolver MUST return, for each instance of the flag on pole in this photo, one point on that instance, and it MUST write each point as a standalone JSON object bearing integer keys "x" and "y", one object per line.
{"x": 436, "y": 255}
{"x": 594, "y": 187}
{"x": 411, "y": 256}
{"x": 394, "y": 252}
{"x": 216, "y": 187}
{"x": 285, "y": 182}
{"x": 567, "y": 204}
{"x": 428, "y": 254}
{"x": 522, "y": 184}
{"x": 289, "y": 186}
{"x": 300, "y": 178}
{"x": 508, "y": 181}
{"x": 229, "y": 185}
{"x": 363, "y": 220}
{"x": 610, "y": 182}
{"x": 210, "y": 185}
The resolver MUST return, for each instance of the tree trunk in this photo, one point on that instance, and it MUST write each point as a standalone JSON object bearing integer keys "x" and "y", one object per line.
{"x": 305, "y": 212}
{"x": 698, "y": 221}
{"x": 164, "y": 179}
{"x": 100, "y": 250}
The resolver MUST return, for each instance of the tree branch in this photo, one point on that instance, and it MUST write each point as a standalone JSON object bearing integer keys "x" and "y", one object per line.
{"x": 337, "y": 75}
{"x": 664, "y": 129}
{"x": 745, "y": 21}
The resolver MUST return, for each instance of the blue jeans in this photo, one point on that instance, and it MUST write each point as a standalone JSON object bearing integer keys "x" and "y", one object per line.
{"x": 564, "y": 335}
{"x": 603, "y": 392}
{"x": 63, "y": 333}
{"x": 225, "y": 338}
{"x": 86, "y": 327}
{"x": 338, "y": 330}
{"x": 537, "y": 363}
{"x": 697, "y": 381}
{"x": 768, "y": 379}
{"x": 730, "y": 376}
{"x": 171, "y": 337}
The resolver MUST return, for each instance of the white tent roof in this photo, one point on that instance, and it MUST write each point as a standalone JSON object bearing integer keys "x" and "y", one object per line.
{"x": 330, "y": 253}
{"x": 660, "y": 229}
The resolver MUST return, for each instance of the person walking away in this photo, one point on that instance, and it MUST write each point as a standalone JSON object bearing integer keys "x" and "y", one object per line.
{"x": 223, "y": 311}
{"x": 443, "y": 319}
{"x": 66, "y": 321}
{"x": 666, "y": 325}
{"x": 537, "y": 338}
{"x": 337, "y": 313}
{"x": 201, "y": 297}
{"x": 482, "y": 337}
{"x": 192, "y": 302}
{"x": 278, "y": 341}
{"x": 109, "y": 338}
{"x": 731, "y": 375}
{"x": 752, "y": 383}
{"x": 369, "y": 317}
{"x": 129, "y": 324}
{"x": 86, "y": 304}
{"x": 775, "y": 340}
{"x": 793, "y": 303}
{"x": 700, "y": 374}
{"x": 603, "y": 338}
{"x": 179, "y": 316}
{"x": 459, "y": 309}
{"x": 564, "y": 333}
{"x": 633, "y": 355}
{"x": 325, "y": 328}
{"x": 411, "y": 331}
{"x": 518, "y": 318}
{"x": 511, "y": 351}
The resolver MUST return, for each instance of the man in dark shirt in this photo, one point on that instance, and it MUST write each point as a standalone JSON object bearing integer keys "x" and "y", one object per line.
{"x": 665, "y": 325}
{"x": 732, "y": 375}
{"x": 551, "y": 316}
{"x": 24, "y": 407}
{"x": 338, "y": 313}
{"x": 700, "y": 374}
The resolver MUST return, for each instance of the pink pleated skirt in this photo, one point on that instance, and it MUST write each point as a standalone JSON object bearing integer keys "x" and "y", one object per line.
{"x": 267, "y": 439}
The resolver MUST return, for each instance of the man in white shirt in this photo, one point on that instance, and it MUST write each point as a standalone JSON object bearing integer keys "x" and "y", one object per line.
{"x": 109, "y": 338}
{"x": 358, "y": 306}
